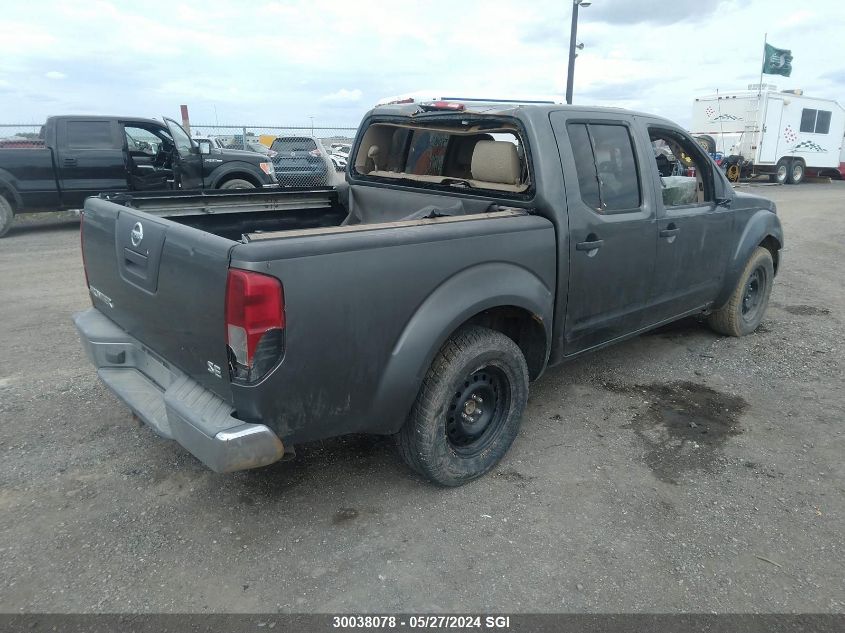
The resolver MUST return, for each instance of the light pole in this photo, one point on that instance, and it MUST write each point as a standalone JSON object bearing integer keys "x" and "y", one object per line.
{"x": 570, "y": 76}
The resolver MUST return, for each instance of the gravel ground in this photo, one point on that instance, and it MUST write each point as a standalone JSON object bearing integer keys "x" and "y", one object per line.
{"x": 677, "y": 471}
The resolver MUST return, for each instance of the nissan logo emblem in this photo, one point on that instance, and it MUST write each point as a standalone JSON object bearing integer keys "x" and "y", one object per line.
{"x": 137, "y": 234}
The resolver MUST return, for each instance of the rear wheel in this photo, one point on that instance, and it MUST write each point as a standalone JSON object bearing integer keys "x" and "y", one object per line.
{"x": 237, "y": 183}
{"x": 6, "y": 216}
{"x": 744, "y": 310}
{"x": 796, "y": 172}
{"x": 469, "y": 408}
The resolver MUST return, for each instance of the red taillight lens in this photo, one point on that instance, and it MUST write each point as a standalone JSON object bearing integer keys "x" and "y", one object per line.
{"x": 315, "y": 152}
{"x": 82, "y": 247}
{"x": 255, "y": 323}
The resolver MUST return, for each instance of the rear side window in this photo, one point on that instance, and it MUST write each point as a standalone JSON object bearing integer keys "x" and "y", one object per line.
{"x": 89, "y": 135}
{"x": 608, "y": 177}
{"x": 294, "y": 144}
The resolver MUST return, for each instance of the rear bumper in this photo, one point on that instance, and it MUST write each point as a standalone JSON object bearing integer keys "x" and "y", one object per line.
{"x": 171, "y": 403}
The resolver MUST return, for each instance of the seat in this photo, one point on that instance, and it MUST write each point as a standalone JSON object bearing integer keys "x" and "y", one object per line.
{"x": 495, "y": 165}
{"x": 459, "y": 156}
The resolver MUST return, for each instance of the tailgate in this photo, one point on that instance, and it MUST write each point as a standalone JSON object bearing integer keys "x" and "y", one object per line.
{"x": 164, "y": 284}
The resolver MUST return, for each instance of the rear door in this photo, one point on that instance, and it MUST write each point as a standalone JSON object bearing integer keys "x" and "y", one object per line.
{"x": 187, "y": 160}
{"x": 164, "y": 283}
{"x": 612, "y": 233}
{"x": 90, "y": 159}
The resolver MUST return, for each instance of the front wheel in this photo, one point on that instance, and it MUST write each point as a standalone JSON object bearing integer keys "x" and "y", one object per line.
{"x": 782, "y": 173}
{"x": 237, "y": 183}
{"x": 469, "y": 407}
{"x": 744, "y": 310}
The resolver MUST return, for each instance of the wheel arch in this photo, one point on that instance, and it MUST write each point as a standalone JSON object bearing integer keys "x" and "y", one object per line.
{"x": 225, "y": 173}
{"x": 762, "y": 229}
{"x": 501, "y": 296}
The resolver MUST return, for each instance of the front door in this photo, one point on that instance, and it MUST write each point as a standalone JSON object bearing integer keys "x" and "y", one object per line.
{"x": 187, "y": 160}
{"x": 89, "y": 160}
{"x": 694, "y": 233}
{"x": 612, "y": 233}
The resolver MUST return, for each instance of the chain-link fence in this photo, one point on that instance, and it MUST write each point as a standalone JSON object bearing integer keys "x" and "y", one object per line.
{"x": 302, "y": 156}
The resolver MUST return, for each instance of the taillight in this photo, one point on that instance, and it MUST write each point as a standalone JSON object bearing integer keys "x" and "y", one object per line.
{"x": 315, "y": 153}
{"x": 82, "y": 247}
{"x": 255, "y": 324}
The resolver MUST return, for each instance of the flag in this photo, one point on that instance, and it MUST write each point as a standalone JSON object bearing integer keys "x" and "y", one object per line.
{"x": 777, "y": 61}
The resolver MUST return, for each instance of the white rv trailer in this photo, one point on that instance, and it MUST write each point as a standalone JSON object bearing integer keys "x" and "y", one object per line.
{"x": 783, "y": 134}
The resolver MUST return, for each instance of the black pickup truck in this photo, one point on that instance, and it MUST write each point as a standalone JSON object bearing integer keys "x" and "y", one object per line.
{"x": 467, "y": 252}
{"x": 81, "y": 156}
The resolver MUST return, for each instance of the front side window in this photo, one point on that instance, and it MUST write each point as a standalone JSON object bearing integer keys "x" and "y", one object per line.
{"x": 180, "y": 138}
{"x": 608, "y": 177}
{"x": 89, "y": 135}
{"x": 685, "y": 173}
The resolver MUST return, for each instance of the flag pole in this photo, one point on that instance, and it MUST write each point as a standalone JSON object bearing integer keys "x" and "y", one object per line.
{"x": 763, "y": 65}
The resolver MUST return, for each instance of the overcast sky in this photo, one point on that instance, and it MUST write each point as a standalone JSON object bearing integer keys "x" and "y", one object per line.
{"x": 280, "y": 63}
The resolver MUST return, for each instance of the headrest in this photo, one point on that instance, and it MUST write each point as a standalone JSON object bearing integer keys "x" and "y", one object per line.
{"x": 495, "y": 161}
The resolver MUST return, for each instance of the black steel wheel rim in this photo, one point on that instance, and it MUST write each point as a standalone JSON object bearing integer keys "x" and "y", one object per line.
{"x": 755, "y": 289}
{"x": 478, "y": 410}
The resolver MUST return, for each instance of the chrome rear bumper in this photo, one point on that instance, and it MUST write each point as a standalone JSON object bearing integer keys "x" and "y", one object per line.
{"x": 171, "y": 403}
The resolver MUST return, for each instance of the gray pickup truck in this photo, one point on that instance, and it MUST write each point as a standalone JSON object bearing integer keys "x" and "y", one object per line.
{"x": 467, "y": 251}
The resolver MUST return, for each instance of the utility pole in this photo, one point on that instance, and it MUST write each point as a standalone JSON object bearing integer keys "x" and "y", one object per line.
{"x": 573, "y": 34}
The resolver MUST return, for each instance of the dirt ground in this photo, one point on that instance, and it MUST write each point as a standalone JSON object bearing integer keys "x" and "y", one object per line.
{"x": 677, "y": 471}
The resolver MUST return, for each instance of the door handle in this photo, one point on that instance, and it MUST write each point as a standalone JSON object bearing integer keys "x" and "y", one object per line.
{"x": 589, "y": 246}
{"x": 669, "y": 232}
{"x": 69, "y": 162}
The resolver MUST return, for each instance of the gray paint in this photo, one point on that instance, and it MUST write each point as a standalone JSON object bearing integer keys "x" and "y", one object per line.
{"x": 366, "y": 311}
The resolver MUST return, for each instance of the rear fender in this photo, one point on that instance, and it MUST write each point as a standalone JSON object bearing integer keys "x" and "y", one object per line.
{"x": 761, "y": 225}
{"x": 9, "y": 190}
{"x": 453, "y": 303}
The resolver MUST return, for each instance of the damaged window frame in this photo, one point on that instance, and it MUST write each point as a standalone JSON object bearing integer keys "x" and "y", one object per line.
{"x": 471, "y": 123}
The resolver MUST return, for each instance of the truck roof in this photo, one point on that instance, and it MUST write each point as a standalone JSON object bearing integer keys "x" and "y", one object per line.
{"x": 100, "y": 117}
{"x": 508, "y": 109}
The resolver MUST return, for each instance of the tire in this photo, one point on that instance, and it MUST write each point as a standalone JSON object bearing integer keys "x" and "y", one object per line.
{"x": 782, "y": 173}
{"x": 707, "y": 143}
{"x": 7, "y": 215}
{"x": 796, "y": 172}
{"x": 746, "y": 306}
{"x": 237, "y": 183}
{"x": 451, "y": 436}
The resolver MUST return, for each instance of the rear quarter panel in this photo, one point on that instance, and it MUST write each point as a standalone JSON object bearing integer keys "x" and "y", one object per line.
{"x": 366, "y": 312}
{"x": 29, "y": 179}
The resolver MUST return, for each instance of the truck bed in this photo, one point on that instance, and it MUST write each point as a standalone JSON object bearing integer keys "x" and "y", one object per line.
{"x": 350, "y": 308}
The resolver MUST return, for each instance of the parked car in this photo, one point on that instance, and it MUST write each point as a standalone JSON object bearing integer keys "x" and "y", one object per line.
{"x": 338, "y": 162}
{"x": 469, "y": 252}
{"x": 300, "y": 161}
{"x": 342, "y": 151}
{"x": 86, "y": 155}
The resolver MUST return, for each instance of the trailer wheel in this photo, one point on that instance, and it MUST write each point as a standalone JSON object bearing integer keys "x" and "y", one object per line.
{"x": 782, "y": 173}
{"x": 469, "y": 407}
{"x": 6, "y": 216}
{"x": 796, "y": 172}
